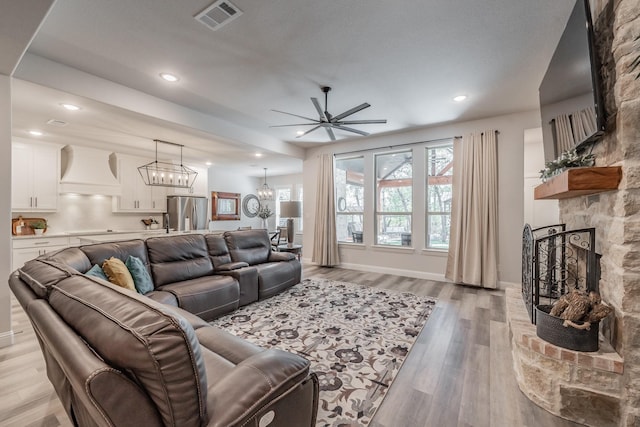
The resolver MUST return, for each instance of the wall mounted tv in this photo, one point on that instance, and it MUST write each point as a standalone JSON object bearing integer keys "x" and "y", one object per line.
{"x": 571, "y": 103}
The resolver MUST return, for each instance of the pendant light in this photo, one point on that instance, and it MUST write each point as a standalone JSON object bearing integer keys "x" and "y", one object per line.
{"x": 164, "y": 174}
{"x": 265, "y": 192}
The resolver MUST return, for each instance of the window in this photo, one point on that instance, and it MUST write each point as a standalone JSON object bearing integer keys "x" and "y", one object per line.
{"x": 282, "y": 195}
{"x": 394, "y": 198}
{"x": 439, "y": 165}
{"x": 349, "y": 189}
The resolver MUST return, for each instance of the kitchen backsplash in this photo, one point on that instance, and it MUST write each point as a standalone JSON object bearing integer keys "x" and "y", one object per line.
{"x": 77, "y": 212}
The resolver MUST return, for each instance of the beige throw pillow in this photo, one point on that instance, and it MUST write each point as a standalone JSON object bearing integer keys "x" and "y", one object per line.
{"x": 118, "y": 274}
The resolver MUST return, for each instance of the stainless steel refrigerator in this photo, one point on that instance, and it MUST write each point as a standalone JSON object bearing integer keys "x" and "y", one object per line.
{"x": 187, "y": 213}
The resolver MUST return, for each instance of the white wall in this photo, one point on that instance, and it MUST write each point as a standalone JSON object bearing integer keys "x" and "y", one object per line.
{"x": 6, "y": 335}
{"x": 222, "y": 179}
{"x": 537, "y": 213}
{"x": 418, "y": 262}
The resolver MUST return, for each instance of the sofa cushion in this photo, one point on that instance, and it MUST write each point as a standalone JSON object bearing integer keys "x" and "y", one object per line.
{"x": 42, "y": 274}
{"x": 178, "y": 258}
{"x": 99, "y": 252}
{"x": 97, "y": 271}
{"x": 250, "y": 246}
{"x": 275, "y": 277}
{"x": 218, "y": 251}
{"x": 156, "y": 346}
{"x": 118, "y": 273}
{"x": 141, "y": 278}
{"x": 73, "y": 257}
{"x": 207, "y": 297}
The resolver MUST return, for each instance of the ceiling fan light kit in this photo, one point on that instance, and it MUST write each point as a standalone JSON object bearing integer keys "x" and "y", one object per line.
{"x": 164, "y": 174}
{"x": 330, "y": 122}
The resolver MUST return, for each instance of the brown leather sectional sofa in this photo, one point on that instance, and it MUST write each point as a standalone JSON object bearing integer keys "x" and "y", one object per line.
{"x": 118, "y": 358}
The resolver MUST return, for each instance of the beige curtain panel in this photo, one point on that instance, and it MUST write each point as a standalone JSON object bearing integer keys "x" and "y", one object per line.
{"x": 325, "y": 240}
{"x": 564, "y": 133}
{"x": 473, "y": 248}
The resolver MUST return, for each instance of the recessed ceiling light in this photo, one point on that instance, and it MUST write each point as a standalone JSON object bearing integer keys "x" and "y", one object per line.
{"x": 300, "y": 133}
{"x": 35, "y": 132}
{"x": 70, "y": 107}
{"x": 169, "y": 77}
{"x": 258, "y": 154}
{"x": 208, "y": 163}
{"x": 460, "y": 98}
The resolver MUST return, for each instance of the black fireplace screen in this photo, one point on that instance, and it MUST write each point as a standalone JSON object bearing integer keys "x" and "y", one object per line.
{"x": 555, "y": 261}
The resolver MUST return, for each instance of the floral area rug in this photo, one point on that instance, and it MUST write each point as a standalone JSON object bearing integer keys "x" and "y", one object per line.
{"x": 356, "y": 338}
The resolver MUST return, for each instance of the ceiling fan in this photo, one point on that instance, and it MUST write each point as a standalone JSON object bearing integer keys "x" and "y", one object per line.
{"x": 329, "y": 122}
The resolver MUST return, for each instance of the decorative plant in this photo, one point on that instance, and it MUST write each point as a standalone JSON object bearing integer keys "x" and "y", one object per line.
{"x": 568, "y": 159}
{"x": 38, "y": 225}
{"x": 265, "y": 212}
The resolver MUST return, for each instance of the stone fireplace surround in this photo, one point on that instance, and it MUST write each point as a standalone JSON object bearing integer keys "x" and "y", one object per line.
{"x": 616, "y": 217}
{"x": 582, "y": 387}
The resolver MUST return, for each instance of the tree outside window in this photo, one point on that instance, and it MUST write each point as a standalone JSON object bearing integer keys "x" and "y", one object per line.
{"x": 439, "y": 187}
{"x": 394, "y": 198}
{"x": 349, "y": 192}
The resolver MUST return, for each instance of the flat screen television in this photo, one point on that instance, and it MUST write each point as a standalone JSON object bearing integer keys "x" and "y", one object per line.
{"x": 571, "y": 102}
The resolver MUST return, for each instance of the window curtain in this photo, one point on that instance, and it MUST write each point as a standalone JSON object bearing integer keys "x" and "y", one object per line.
{"x": 325, "y": 240}
{"x": 564, "y": 133}
{"x": 473, "y": 248}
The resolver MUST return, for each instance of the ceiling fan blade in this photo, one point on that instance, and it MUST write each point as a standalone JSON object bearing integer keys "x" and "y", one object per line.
{"x": 318, "y": 108}
{"x": 361, "y": 122}
{"x": 310, "y": 130}
{"x": 295, "y": 115}
{"x": 359, "y": 132}
{"x": 330, "y": 132}
{"x": 296, "y": 124}
{"x": 350, "y": 112}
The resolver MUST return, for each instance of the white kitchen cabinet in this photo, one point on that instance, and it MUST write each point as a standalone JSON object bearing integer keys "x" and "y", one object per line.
{"x": 136, "y": 195}
{"x": 200, "y": 186}
{"x": 34, "y": 177}
{"x": 29, "y": 248}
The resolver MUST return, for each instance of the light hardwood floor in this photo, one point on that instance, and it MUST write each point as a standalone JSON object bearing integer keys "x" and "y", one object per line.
{"x": 458, "y": 373}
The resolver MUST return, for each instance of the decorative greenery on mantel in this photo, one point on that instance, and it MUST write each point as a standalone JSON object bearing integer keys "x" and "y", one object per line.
{"x": 568, "y": 159}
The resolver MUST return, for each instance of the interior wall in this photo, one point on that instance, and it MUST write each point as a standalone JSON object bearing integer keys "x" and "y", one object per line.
{"x": 418, "y": 262}
{"x": 6, "y": 336}
{"x": 221, "y": 179}
{"x": 537, "y": 213}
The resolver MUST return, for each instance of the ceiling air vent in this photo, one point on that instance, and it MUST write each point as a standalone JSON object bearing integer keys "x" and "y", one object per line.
{"x": 55, "y": 122}
{"x": 219, "y": 14}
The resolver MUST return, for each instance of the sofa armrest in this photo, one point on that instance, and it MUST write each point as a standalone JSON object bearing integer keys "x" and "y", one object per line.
{"x": 232, "y": 266}
{"x": 254, "y": 384}
{"x": 281, "y": 256}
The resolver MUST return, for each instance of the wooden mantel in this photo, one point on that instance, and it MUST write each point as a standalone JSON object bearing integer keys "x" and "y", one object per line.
{"x": 580, "y": 182}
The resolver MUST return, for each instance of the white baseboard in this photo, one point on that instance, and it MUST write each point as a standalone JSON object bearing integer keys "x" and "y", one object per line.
{"x": 6, "y": 339}
{"x": 505, "y": 285}
{"x": 389, "y": 270}
{"x": 408, "y": 273}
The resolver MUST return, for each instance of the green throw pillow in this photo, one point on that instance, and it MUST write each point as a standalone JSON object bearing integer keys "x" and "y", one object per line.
{"x": 141, "y": 278}
{"x": 96, "y": 271}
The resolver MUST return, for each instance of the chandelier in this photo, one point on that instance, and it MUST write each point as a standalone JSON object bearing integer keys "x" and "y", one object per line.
{"x": 265, "y": 192}
{"x": 164, "y": 174}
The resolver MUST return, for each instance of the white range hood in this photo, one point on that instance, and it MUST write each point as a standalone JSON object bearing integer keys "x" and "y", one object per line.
{"x": 86, "y": 171}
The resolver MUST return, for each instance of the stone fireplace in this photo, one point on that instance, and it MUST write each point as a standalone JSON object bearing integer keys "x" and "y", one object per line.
{"x": 615, "y": 215}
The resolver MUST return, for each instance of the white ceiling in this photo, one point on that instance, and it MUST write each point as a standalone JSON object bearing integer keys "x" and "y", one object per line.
{"x": 407, "y": 59}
